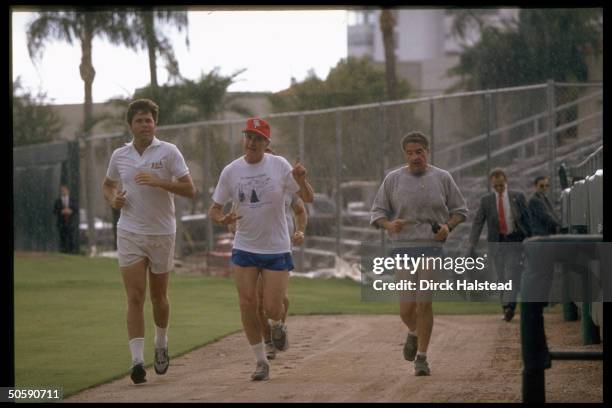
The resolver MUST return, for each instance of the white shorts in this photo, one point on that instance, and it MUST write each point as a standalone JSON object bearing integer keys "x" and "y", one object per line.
{"x": 159, "y": 249}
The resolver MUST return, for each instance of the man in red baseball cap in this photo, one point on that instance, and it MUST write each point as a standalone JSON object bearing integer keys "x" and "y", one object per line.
{"x": 257, "y": 183}
{"x": 259, "y": 126}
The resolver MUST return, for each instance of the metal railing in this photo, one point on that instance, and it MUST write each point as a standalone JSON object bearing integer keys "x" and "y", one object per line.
{"x": 589, "y": 165}
{"x": 469, "y": 132}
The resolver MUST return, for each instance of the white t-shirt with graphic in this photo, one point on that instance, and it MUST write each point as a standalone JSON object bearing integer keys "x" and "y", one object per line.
{"x": 258, "y": 192}
{"x": 147, "y": 210}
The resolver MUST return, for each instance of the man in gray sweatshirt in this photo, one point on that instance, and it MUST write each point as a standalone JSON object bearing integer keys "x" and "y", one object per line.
{"x": 410, "y": 202}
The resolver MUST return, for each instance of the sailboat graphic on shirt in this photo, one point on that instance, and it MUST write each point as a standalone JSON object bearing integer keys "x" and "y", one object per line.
{"x": 254, "y": 198}
{"x": 253, "y": 190}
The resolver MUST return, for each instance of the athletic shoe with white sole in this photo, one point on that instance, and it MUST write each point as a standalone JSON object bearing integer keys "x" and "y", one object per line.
{"x": 261, "y": 372}
{"x": 279, "y": 336}
{"x": 138, "y": 374}
{"x": 161, "y": 360}
{"x": 420, "y": 366}
{"x": 270, "y": 350}
{"x": 410, "y": 347}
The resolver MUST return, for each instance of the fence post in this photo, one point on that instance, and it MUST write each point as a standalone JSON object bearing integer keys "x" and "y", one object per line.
{"x": 536, "y": 131}
{"x": 90, "y": 158}
{"x": 338, "y": 180}
{"x": 302, "y": 158}
{"x": 550, "y": 105}
{"x": 207, "y": 184}
{"x": 109, "y": 152}
{"x": 178, "y": 214}
{"x": 488, "y": 113}
{"x": 383, "y": 151}
{"x": 431, "y": 130}
{"x": 232, "y": 143}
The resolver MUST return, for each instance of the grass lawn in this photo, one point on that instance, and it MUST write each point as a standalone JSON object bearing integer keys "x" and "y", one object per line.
{"x": 70, "y": 328}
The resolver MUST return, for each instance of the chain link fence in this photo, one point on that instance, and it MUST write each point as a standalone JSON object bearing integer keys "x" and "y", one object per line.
{"x": 347, "y": 151}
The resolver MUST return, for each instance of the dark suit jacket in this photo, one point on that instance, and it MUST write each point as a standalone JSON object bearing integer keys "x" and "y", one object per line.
{"x": 73, "y": 219}
{"x": 487, "y": 212}
{"x": 544, "y": 221}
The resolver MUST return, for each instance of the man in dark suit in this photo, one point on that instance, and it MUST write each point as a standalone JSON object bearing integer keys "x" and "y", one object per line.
{"x": 507, "y": 217}
{"x": 544, "y": 221}
{"x": 66, "y": 210}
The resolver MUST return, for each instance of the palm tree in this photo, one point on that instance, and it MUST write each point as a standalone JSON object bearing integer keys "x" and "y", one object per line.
{"x": 81, "y": 26}
{"x": 146, "y": 35}
{"x": 387, "y": 27}
{"x": 468, "y": 21}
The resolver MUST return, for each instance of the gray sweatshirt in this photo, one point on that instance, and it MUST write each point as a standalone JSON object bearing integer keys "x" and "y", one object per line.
{"x": 420, "y": 200}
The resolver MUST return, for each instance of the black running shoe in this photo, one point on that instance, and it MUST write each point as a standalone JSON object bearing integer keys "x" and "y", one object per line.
{"x": 138, "y": 374}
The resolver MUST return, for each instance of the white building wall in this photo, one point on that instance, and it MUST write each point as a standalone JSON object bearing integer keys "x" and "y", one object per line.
{"x": 420, "y": 34}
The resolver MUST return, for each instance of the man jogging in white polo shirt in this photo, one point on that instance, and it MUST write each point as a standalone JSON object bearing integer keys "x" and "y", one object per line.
{"x": 151, "y": 172}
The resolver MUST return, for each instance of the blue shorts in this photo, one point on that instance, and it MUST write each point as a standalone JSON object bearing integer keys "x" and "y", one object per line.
{"x": 273, "y": 262}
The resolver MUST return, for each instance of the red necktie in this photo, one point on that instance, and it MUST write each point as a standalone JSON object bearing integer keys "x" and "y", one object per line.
{"x": 503, "y": 228}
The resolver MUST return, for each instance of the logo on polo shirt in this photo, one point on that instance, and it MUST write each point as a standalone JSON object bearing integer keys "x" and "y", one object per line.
{"x": 157, "y": 165}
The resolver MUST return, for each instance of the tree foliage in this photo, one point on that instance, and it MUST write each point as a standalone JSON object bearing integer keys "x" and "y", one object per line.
{"x": 387, "y": 28}
{"x": 146, "y": 33}
{"x": 82, "y": 25}
{"x": 352, "y": 81}
{"x": 190, "y": 100}
{"x": 541, "y": 44}
{"x": 34, "y": 121}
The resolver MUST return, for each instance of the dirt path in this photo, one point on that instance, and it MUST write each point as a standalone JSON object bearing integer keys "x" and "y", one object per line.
{"x": 359, "y": 359}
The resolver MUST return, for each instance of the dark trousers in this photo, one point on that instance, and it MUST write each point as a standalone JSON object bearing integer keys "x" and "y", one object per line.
{"x": 508, "y": 261}
{"x": 67, "y": 239}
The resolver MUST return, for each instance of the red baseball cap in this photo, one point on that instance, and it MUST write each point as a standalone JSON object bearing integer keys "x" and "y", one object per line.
{"x": 259, "y": 126}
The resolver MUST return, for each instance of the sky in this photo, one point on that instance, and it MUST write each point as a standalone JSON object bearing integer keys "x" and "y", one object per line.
{"x": 273, "y": 46}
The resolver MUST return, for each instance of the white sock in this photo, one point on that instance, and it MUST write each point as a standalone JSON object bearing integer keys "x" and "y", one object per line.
{"x": 412, "y": 332}
{"x": 137, "y": 350}
{"x": 161, "y": 337}
{"x": 422, "y": 353}
{"x": 275, "y": 322}
{"x": 260, "y": 352}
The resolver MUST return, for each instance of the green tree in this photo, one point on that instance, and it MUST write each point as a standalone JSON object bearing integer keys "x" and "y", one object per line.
{"x": 467, "y": 22}
{"x": 146, "y": 34}
{"x": 34, "y": 121}
{"x": 352, "y": 81}
{"x": 387, "y": 28}
{"x": 541, "y": 44}
{"x": 190, "y": 100}
{"x": 81, "y": 26}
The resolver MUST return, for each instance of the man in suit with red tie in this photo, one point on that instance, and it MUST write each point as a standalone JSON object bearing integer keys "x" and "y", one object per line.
{"x": 507, "y": 217}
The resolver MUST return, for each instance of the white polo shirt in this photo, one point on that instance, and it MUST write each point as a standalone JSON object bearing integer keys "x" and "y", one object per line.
{"x": 258, "y": 192}
{"x": 148, "y": 210}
